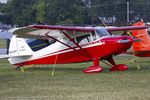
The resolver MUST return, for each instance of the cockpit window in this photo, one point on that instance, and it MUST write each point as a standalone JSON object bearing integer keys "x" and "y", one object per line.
{"x": 38, "y": 44}
{"x": 93, "y": 36}
{"x": 84, "y": 39}
{"x": 102, "y": 32}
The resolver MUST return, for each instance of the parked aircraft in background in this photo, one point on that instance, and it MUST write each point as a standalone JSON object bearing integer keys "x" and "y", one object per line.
{"x": 141, "y": 48}
{"x": 47, "y": 44}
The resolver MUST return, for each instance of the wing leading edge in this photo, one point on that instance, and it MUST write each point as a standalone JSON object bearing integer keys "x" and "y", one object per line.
{"x": 4, "y": 56}
{"x": 126, "y": 28}
{"x": 41, "y": 31}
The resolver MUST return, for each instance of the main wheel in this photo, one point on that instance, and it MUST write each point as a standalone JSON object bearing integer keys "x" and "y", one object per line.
{"x": 119, "y": 67}
{"x": 93, "y": 69}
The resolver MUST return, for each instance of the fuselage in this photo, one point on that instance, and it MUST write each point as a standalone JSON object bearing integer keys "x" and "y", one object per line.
{"x": 98, "y": 44}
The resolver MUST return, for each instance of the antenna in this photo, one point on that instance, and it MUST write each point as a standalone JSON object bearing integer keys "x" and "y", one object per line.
{"x": 128, "y": 11}
{"x": 102, "y": 21}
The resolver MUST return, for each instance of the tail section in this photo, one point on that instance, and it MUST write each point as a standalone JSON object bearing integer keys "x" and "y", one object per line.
{"x": 19, "y": 47}
{"x": 142, "y": 48}
{"x": 11, "y": 46}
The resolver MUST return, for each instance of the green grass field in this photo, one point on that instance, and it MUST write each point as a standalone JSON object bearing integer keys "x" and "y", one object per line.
{"x": 69, "y": 83}
{"x": 3, "y": 43}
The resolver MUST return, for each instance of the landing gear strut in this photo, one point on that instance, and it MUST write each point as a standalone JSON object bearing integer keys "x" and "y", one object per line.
{"x": 18, "y": 68}
{"x": 95, "y": 68}
{"x": 114, "y": 67}
{"x": 117, "y": 67}
{"x": 23, "y": 68}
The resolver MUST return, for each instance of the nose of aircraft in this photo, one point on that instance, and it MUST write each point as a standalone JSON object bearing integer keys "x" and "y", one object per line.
{"x": 125, "y": 39}
{"x": 118, "y": 39}
{"x": 118, "y": 44}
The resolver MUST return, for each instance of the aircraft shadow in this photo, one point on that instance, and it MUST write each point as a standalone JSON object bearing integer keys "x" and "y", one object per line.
{"x": 77, "y": 69}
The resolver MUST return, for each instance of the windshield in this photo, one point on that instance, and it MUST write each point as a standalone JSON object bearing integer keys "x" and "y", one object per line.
{"x": 102, "y": 32}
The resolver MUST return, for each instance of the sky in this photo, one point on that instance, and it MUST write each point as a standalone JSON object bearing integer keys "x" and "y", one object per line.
{"x": 3, "y": 1}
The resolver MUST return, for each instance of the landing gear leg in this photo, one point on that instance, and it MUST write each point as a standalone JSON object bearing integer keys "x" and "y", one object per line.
{"x": 95, "y": 68}
{"x": 18, "y": 68}
{"x": 23, "y": 68}
{"x": 117, "y": 67}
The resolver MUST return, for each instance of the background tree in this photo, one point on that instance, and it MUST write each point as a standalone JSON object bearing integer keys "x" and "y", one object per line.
{"x": 77, "y": 12}
{"x": 40, "y": 11}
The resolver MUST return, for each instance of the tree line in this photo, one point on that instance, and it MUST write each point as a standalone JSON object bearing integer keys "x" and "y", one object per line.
{"x": 73, "y": 12}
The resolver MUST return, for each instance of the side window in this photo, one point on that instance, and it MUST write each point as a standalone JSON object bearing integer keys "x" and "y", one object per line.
{"x": 84, "y": 39}
{"x": 70, "y": 43}
{"x": 38, "y": 44}
{"x": 102, "y": 32}
{"x": 52, "y": 41}
{"x": 93, "y": 36}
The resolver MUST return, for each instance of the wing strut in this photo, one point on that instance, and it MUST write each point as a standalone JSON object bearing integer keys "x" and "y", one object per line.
{"x": 84, "y": 51}
{"x": 60, "y": 42}
{"x": 65, "y": 44}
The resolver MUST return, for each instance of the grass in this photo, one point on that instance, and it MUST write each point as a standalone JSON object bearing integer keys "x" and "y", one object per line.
{"x": 3, "y": 43}
{"x": 69, "y": 83}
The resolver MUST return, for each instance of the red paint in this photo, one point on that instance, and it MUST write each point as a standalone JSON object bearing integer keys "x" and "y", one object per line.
{"x": 95, "y": 68}
{"x": 119, "y": 67}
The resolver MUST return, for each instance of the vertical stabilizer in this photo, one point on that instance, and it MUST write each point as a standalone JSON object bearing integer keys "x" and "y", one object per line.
{"x": 19, "y": 47}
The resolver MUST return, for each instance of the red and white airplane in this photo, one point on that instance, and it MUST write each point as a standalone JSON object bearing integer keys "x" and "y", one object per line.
{"x": 47, "y": 44}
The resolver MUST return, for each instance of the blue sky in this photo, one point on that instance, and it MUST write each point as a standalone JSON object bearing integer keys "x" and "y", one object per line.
{"x": 3, "y": 1}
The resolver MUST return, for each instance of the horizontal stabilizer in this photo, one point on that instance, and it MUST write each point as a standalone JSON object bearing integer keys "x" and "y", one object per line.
{"x": 4, "y": 56}
{"x": 8, "y": 56}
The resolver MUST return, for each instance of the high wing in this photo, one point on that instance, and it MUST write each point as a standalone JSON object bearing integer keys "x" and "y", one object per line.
{"x": 41, "y": 31}
{"x": 126, "y": 28}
